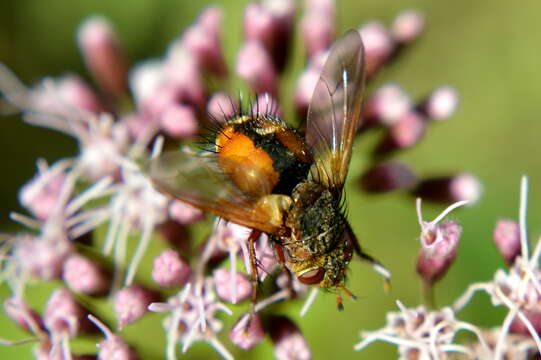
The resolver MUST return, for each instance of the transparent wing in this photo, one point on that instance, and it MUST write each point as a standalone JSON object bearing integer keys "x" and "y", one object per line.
{"x": 197, "y": 178}
{"x": 334, "y": 111}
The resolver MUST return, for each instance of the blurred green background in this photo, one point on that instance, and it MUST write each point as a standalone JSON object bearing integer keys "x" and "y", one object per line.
{"x": 488, "y": 50}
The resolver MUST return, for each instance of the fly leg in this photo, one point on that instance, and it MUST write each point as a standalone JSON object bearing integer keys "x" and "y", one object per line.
{"x": 254, "y": 235}
{"x": 282, "y": 261}
{"x": 376, "y": 265}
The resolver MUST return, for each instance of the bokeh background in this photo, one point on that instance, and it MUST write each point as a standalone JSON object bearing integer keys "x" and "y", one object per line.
{"x": 488, "y": 50}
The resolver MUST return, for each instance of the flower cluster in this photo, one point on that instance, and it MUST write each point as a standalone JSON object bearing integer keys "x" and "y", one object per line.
{"x": 430, "y": 334}
{"x": 102, "y": 200}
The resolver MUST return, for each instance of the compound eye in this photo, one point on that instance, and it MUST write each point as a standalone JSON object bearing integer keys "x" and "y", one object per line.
{"x": 313, "y": 276}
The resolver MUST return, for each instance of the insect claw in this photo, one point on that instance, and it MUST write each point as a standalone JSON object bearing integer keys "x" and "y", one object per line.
{"x": 339, "y": 303}
{"x": 348, "y": 293}
{"x": 387, "y": 287}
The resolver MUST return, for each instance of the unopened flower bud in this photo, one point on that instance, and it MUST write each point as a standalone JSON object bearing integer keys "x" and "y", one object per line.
{"x": 63, "y": 314}
{"x": 103, "y": 55}
{"x": 183, "y": 76}
{"x": 283, "y": 14}
{"x": 387, "y": 105}
{"x": 230, "y": 288}
{"x": 77, "y": 93}
{"x": 408, "y": 26}
{"x": 518, "y": 326}
{"x": 170, "y": 270}
{"x": 254, "y": 65}
{"x": 266, "y": 104}
{"x": 179, "y": 120}
{"x": 41, "y": 194}
{"x": 175, "y": 234}
{"x": 441, "y": 103}
{"x": 113, "y": 347}
{"x": 264, "y": 250}
{"x": 247, "y": 332}
{"x": 258, "y": 24}
{"x": 463, "y": 186}
{"x": 289, "y": 343}
{"x": 306, "y": 85}
{"x": 185, "y": 213}
{"x": 270, "y": 22}
{"x": 84, "y": 276}
{"x": 507, "y": 238}
{"x": 131, "y": 303}
{"x": 203, "y": 40}
{"x": 326, "y": 6}
{"x": 17, "y": 309}
{"x": 378, "y": 46}
{"x": 388, "y": 177}
{"x": 220, "y": 107}
{"x": 42, "y": 257}
{"x": 405, "y": 133}
{"x": 318, "y": 31}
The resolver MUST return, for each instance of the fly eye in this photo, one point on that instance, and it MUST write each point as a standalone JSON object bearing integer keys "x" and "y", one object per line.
{"x": 313, "y": 276}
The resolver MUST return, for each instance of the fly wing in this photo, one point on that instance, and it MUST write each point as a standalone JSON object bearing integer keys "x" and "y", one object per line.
{"x": 334, "y": 111}
{"x": 196, "y": 178}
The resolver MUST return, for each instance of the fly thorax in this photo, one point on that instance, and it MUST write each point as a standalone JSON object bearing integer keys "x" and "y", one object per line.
{"x": 315, "y": 218}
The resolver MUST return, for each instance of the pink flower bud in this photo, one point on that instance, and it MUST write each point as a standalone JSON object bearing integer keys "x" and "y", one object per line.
{"x": 289, "y": 343}
{"x": 266, "y": 258}
{"x": 326, "y": 6}
{"x": 103, "y": 55}
{"x": 113, "y": 347}
{"x": 518, "y": 326}
{"x": 131, "y": 303}
{"x": 179, "y": 120}
{"x": 451, "y": 188}
{"x": 408, "y": 26}
{"x": 266, "y": 104}
{"x": 387, "y": 105}
{"x": 441, "y": 104}
{"x": 203, "y": 40}
{"x": 378, "y": 46}
{"x": 137, "y": 125}
{"x": 306, "y": 85}
{"x": 77, "y": 93}
{"x": 254, "y": 65}
{"x": 232, "y": 289}
{"x": 388, "y": 177}
{"x": 63, "y": 313}
{"x": 170, "y": 270}
{"x": 84, "y": 276}
{"x": 185, "y": 213}
{"x": 41, "y": 257}
{"x": 507, "y": 238}
{"x": 41, "y": 194}
{"x": 318, "y": 31}
{"x": 20, "y": 313}
{"x": 183, "y": 74}
{"x": 175, "y": 235}
{"x": 247, "y": 332}
{"x": 146, "y": 78}
{"x": 46, "y": 352}
{"x": 270, "y": 22}
{"x": 410, "y": 128}
{"x": 258, "y": 24}
{"x": 220, "y": 107}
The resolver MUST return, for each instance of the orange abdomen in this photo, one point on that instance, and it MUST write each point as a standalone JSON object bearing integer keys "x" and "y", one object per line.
{"x": 250, "y": 168}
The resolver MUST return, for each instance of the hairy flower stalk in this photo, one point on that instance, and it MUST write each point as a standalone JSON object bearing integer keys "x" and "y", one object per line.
{"x": 104, "y": 191}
